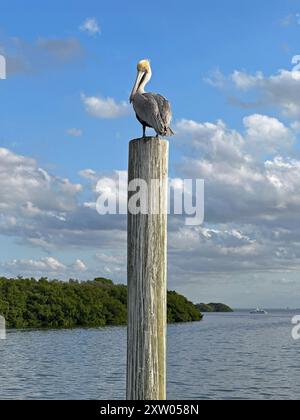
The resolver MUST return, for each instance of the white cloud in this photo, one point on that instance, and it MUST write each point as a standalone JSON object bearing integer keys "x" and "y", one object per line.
{"x": 79, "y": 266}
{"x": 74, "y": 132}
{"x": 105, "y": 108}
{"x": 241, "y": 186}
{"x": 53, "y": 264}
{"x": 91, "y": 26}
{"x": 252, "y": 203}
{"x": 47, "y": 266}
{"x": 28, "y": 189}
{"x": 89, "y": 174}
{"x": 46, "y": 211}
{"x": 216, "y": 79}
{"x": 246, "y": 81}
{"x": 296, "y": 126}
{"x": 281, "y": 90}
{"x": 214, "y": 140}
{"x": 32, "y": 200}
{"x": 268, "y": 134}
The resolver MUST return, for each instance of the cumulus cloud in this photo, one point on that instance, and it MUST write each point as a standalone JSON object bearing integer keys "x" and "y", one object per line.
{"x": 45, "y": 210}
{"x": 216, "y": 79}
{"x": 268, "y": 134}
{"x": 213, "y": 140}
{"x": 90, "y": 26}
{"x": 252, "y": 203}
{"x": 296, "y": 126}
{"x": 47, "y": 266}
{"x": 245, "y": 81}
{"x": 239, "y": 184}
{"x": 283, "y": 90}
{"x": 231, "y": 248}
{"x": 44, "y": 265}
{"x": 89, "y": 174}
{"x": 262, "y": 134}
{"x": 30, "y": 190}
{"x": 79, "y": 266}
{"x": 106, "y": 108}
{"x": 280, "y": 90}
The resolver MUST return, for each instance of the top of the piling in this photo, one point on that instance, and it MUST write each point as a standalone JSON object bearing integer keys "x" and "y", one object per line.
{"x": 148, "y": 139}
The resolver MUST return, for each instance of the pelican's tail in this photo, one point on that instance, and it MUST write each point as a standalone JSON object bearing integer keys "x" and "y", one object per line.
{"x": 169, "y": 132}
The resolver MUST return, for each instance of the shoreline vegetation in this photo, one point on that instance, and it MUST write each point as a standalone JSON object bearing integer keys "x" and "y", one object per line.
{"x": 214, "y": 307}
{"x": 52, "y": 304}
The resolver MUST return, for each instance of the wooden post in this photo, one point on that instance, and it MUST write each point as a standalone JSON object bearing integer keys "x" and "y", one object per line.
{"x": 147, "y": 273}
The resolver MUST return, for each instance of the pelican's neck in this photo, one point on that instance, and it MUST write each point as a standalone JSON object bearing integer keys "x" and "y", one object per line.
{"x": 145, "y": 81}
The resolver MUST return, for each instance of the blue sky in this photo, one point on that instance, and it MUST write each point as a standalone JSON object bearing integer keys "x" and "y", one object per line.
{"x": 195, "y": 47}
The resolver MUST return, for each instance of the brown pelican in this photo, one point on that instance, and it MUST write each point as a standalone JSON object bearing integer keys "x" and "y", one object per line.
{"x": 152, "y": 110}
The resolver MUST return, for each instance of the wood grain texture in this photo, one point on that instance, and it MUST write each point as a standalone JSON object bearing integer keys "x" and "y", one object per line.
{"x": 147, "y": 274}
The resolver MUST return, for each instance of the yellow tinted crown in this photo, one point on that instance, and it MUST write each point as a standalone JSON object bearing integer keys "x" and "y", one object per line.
{"x": 144, "y": 65}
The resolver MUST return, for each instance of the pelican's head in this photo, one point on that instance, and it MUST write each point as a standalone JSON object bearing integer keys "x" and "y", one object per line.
{"x": 143, "y": 76}
{"x": 144, "y": 66}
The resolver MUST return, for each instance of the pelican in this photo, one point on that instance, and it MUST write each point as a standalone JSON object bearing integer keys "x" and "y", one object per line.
{"x": 152, "y": 110}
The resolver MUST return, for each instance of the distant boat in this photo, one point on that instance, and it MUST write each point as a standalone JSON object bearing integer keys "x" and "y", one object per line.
{"x": 259, "y": 311}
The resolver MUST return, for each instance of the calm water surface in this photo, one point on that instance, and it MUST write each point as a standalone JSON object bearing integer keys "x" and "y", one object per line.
{"x": 232, "y": 356}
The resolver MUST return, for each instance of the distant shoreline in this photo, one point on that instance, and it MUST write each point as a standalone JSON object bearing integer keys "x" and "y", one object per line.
{"x": 214, "y": 308}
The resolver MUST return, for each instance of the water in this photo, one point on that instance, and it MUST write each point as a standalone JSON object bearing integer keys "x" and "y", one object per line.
{"x": 232, "y": 356}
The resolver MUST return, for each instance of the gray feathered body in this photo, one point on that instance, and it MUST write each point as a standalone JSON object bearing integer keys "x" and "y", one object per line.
{"x": 154, "y": 111}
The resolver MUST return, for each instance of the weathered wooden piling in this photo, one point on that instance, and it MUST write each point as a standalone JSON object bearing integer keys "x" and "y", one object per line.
{"x": 147, "y": 271}
{"x": 2, "y": 328}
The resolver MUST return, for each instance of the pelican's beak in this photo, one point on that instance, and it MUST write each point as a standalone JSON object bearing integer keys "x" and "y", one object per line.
{"x": 137, "y": 84}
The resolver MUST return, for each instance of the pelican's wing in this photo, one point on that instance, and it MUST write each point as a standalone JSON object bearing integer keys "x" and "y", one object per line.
{"x": 147, "y": 110}
{"x": 164, "y": 109}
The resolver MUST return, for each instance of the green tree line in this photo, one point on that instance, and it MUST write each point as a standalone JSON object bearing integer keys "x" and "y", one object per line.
{"x": 31, "y": 303}
{"x": 213, "y": 307}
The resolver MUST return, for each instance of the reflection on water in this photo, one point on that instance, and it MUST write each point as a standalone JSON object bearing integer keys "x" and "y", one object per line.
{"x": 234, "y": 356}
